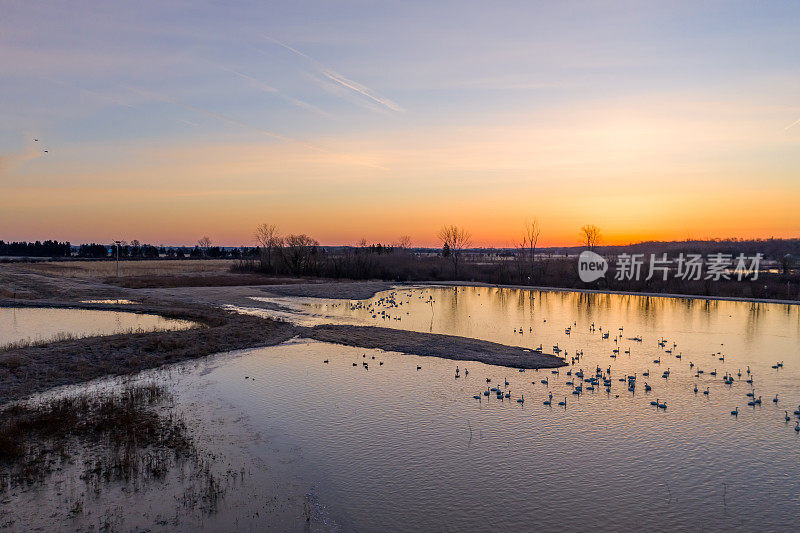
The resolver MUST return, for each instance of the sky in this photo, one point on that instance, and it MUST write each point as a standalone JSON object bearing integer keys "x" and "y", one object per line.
{"x": 168, "y": 121}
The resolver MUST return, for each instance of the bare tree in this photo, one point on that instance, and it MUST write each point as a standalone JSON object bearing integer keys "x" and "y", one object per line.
{"x": 362, "y": 243}
{"x": 204, "y": 243}
{"x": 404, "y": 242}
{"x": 299, "y": 252}
{"x": 590, "y": 236}
{"x": 454, "y": 240}
{"x": 530, "y": 236}
{"x": 266, "y": 235}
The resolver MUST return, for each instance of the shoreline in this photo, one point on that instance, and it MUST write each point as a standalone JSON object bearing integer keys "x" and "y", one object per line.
{"x": 619, "y": 293}
{"x": 432, "y": 345}
{"x": 38, "y": 368}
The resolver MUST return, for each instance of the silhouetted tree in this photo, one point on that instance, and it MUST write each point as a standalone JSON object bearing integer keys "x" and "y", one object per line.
{"x": 456, "y": 239}
{"x": 590, "y": 236}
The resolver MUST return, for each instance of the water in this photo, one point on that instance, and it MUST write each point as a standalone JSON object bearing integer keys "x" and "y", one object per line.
{"x": 394, "y": 448}
{"x": 40, "y": 324}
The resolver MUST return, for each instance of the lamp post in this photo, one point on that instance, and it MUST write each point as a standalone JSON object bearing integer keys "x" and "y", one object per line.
{"x": 117, "y": 243}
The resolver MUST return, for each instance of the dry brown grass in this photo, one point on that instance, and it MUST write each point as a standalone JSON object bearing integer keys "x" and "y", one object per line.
{"x": 99, "y": 270}
{"x": 29, "y": 369}
{"x": 191, "y": 280}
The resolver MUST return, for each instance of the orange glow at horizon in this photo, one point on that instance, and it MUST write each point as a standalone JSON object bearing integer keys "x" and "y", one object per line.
{"x": 636, "y": 177}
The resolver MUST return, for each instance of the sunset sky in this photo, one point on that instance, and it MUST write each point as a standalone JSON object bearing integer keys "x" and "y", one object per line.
{"x": 167, "y": 121}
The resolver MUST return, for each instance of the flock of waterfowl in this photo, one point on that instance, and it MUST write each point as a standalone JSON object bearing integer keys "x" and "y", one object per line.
{"x": 580, "y": 381}
{"x": 598, "y": 379}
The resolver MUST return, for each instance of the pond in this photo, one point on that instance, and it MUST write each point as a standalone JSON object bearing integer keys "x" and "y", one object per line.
{"x": 42, "y": 324}
{"x": 403, "y": 444}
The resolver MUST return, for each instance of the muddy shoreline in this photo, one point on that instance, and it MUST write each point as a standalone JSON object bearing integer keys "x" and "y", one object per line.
{"x": 432, "y": 345}
{"x": 33, "y": 369}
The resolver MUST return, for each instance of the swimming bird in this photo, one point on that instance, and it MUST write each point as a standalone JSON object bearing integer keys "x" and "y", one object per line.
{"x": 695, "y": 388}
{"x": 706, "y": 391}
{"x": 325, "y": 361}
{"x": 775, "y": 399}
{"x": 735, "y": 412}
{"x": 419, "y": 367}
{"x": 787, "y": 418}
{"x": 521, "y": 399}
{"x": 797, "y": 426}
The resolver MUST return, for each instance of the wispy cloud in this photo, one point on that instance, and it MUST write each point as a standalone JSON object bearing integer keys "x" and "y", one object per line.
{"x": 341, "y": 80}
{"x": 11, "y": 161}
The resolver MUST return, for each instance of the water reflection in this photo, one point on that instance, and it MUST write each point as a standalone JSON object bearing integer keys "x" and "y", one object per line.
{"x": 747, "y": 329}
{"x": 396, "y": 449}
{"x": 38, "y": 324}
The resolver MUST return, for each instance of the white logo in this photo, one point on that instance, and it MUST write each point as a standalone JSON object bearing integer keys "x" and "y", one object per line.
{"x": 591, "y": 266}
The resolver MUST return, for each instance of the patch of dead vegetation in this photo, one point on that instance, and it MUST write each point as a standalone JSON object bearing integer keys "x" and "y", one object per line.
{"x": 162, "y": 281}
{"x": 29, "y": 369}
{"x": 127, "y": 434}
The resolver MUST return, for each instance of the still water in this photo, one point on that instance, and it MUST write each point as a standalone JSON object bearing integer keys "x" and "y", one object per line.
{"x": 39, "y": 324}
{"x": 396, "y": 448}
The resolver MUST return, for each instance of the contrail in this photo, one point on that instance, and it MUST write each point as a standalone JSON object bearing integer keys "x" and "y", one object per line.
{"x": 341, "y": 80}
{"x": 360, "y": 89}
{"x": 230, "y": 120}
{"x": 272, "y": 90}
{"x": 219, "y": 116}
{"x": 795, "y": 123}
{"x": 95, "y": 94}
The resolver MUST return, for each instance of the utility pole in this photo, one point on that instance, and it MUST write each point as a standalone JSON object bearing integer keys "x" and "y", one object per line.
{"x": 117, "y": 243}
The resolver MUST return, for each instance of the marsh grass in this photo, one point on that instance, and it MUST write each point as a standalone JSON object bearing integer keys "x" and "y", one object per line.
{"x": 63, "y": 337}
{"x": 27, "y": 369}
{"x": 129, "y": 434}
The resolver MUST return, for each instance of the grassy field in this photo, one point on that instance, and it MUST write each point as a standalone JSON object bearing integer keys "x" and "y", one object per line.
{"x": 149, "y": 273}
{"x": 105, "y": 269}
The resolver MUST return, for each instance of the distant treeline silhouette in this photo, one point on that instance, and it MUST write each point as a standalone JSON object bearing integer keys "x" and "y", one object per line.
{"x": 36, "y": 249}
{"x": 302, "y": 256}
{"x": 134, "y": 250}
